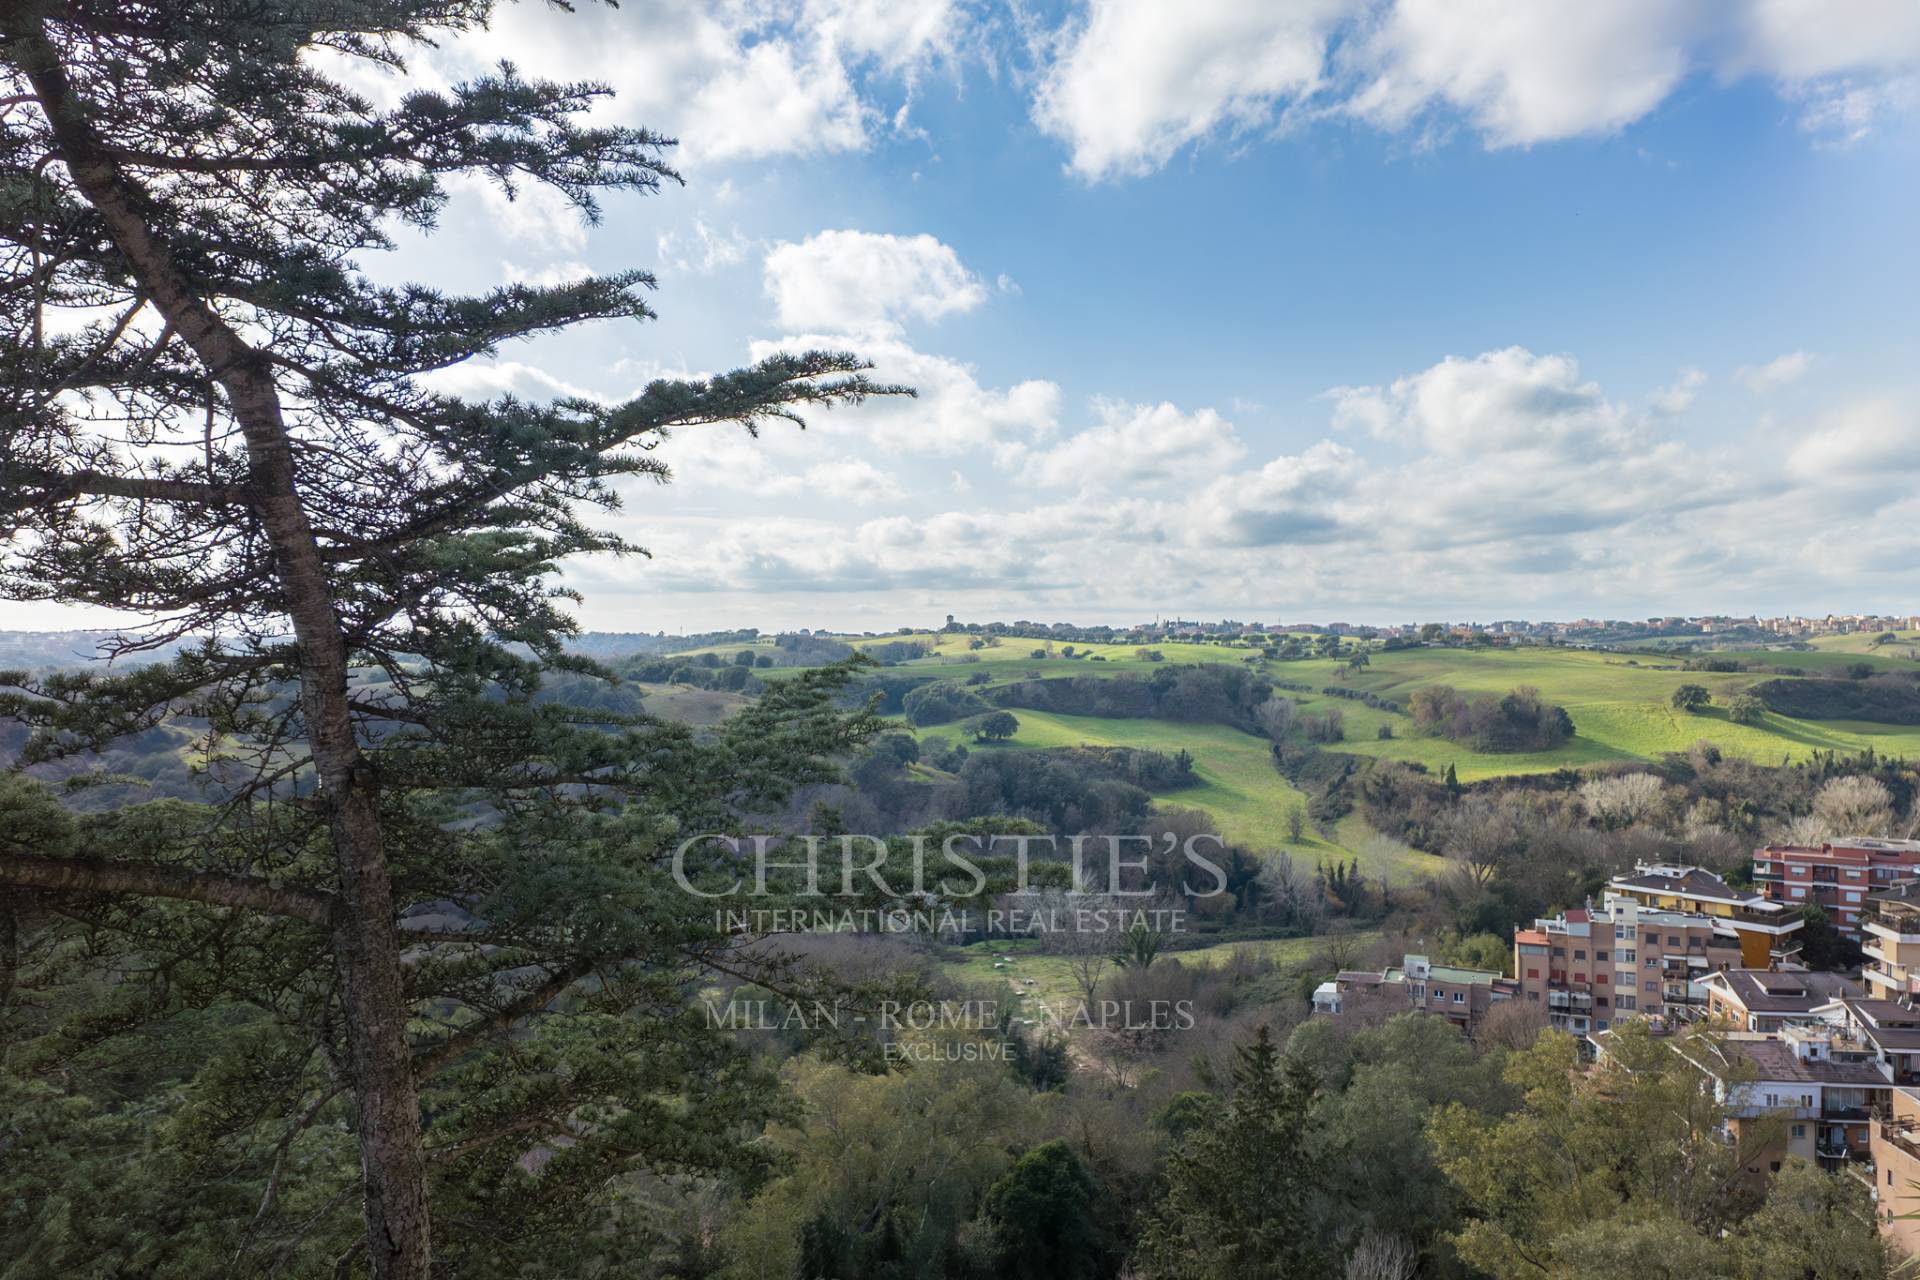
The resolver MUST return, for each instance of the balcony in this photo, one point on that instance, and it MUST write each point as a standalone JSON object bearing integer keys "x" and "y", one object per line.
{"x": 1578, "y": 1001}
{"x": 1902, "y": 930}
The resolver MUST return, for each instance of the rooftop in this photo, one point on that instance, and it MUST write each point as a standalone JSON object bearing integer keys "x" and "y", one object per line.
{"x": 1688, "y": 882}
{"x": 1888, "y": 1023}
{"x": 1791, "y": 991}
{"x": 1775, "y": 1060}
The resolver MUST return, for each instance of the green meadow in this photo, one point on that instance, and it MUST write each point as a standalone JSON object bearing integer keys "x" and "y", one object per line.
{"x": 1239, "y": 787}
{"x": 1045, "y": 982}
{"x": 1620, "y": 703}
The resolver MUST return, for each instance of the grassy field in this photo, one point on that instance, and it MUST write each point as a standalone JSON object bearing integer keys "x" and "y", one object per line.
{"x": 688, "y": 704}
{"x": 1247, "y": 797}
{"x": 1047, "y": 983}
{"x": 1620, "y": 704}
{"x": 1621, "y": 708}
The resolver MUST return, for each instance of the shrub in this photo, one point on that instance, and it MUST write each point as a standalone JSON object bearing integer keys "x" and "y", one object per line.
{"x": 1517, "y": 721}
{"x": 940, "y": 702}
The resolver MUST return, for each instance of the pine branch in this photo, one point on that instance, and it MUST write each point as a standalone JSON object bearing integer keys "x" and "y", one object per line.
{"x": 157, "y": 880}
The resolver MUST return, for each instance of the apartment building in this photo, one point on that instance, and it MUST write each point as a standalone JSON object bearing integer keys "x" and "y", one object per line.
{"x": 1808, "y": 1091}
{"x": 1769, "y": 1000}
{"x": 1838, "y": 875}
{"x": 1592, "y": 965}
{"x": 1768, "y": 932}
{"x": 1894, "y": 1171}
{"x": 1891, "y": 1030}
{"x": 1890, "y": 935}
{"x": 1462, "y": 996}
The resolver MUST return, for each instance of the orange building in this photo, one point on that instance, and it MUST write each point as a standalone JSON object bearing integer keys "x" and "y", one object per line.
{"x": 1768, "y": 932}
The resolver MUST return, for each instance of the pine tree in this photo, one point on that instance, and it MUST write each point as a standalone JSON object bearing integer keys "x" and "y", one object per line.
{"x": 1240, "y": 1189}
{"x": 210, "y": 416}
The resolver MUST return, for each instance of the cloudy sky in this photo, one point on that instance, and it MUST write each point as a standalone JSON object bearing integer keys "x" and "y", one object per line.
{"x": 1368, "y": 309}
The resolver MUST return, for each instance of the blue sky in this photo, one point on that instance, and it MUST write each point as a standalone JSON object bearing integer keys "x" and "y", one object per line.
{"x": 1363, "y": 309}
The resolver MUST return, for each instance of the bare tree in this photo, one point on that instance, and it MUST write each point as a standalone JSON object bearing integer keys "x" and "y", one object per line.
{"x": 1485, "y": 834}
{"x": 1854, "y": 806}
{"x": 1382, "y": 1257}
{"x": 1338, "y": 951}
{"x": 1087, "y": 968}
{"x": 1277, "y": 716}
{"x": 1624, "y": 799}
{"x": 1512, "y": 1024}
{"x": 1290, "y": 895}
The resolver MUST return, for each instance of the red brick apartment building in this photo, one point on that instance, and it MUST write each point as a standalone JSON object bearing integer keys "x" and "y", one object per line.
{"x": 1838, "y": 875}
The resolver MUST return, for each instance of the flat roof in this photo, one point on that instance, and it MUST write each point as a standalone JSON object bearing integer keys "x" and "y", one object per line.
{"x": 1776, "y": 1060}
{"x": 1784, "y": 991}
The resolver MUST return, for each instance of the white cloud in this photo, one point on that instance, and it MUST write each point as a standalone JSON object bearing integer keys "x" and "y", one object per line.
{"x": 731, "y": 79}
{"x": 1507, "y": 400}
{"x": 481, "y": 379}
{"x": 1521, "y": 73}
{"x": 863, "y": 282}
{"x": 1799, "y": 40}
{"x": 1503, "y": 480}
{"x": 1127, "y": 85}
{"x": 1132, "y": 83}
{"x": 1678, "y": 396}
{"x": 552, "y": 274}
{"x": 1841, "y": 112}
{"x": 701, "y": 249}
{"x": 1775, "y": 373}
{"x": 952, "y": 413}
{"x": 1292, "y": 499}
{"x": 1132, "y": 445}
{"x": 1877, "y": 441}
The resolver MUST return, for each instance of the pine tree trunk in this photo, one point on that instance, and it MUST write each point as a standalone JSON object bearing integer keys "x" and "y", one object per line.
{"x": 366, "y": 947}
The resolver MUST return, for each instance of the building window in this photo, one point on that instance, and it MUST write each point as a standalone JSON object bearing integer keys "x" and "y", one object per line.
{"x": 1650, "y": 985}
{"x": 1458, "y": 996}
{"x": 1579, "y": 954}
{"x": 1626, "y": 1002}
{"x": 1799, "y": 1131}
{"x": 1628, "y": 957}
{"x": 1600, "y": 955}
{"x": 1533, "y": 973}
